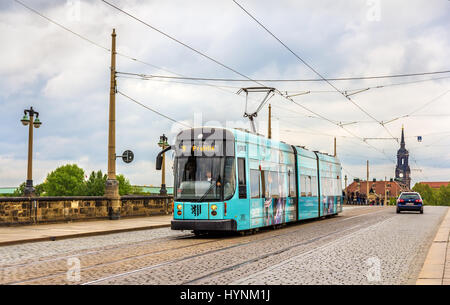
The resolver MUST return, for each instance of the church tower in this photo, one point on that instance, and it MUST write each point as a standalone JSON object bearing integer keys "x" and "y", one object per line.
{"x": 402, "y": 171}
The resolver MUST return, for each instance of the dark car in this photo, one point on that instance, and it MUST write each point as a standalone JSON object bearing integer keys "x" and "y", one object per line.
{"x": 410, "y": 201}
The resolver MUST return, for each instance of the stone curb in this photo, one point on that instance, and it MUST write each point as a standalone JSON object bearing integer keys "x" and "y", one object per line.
{"x": 85, "y": 234}
{"x": 436, "y": 268}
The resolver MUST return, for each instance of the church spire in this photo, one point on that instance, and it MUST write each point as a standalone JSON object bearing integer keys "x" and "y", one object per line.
{"x": 402, "y": 142}
{"x": 402, "y": 170}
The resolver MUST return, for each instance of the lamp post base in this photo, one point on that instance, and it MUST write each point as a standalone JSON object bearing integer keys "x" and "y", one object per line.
{"x": 112, "y": 194}
{"x": 163, "y": 190}
{"x": 29, "y": 189}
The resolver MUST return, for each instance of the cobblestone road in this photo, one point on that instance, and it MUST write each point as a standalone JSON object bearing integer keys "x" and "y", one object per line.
{"x": 364, "y": 245}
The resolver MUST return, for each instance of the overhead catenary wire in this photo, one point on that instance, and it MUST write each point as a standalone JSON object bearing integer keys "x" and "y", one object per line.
{"x": 428, "y": 103}
{"x": 180, "y": 76}
{"x": 155, "y": 77}
{"x": 311, "y": 68}
{"x": 125, "y": 56}
{"x": 86, "y": 39}
{"x": 299, "y": 79}
{"x": 109, "y": 50}
{"x": 98, "y": 45}
{"x": 245, "y": 76}
{"x": 180, "y": 42}
{"x": 418, "y": 109}
{"x": 153, "y": 110}
{"x": 170, "y": 80}
{"x": 230, "y": 69}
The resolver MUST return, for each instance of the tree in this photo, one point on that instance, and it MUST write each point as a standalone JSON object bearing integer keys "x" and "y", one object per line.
{"x": 443, "y": 196}
{"x": 95, "y": 185}
{"x": 431, "y": 196}
{"x": 66, "y": 180}
{"x": 426, "y": 193}
{"x": 124, "y": 185}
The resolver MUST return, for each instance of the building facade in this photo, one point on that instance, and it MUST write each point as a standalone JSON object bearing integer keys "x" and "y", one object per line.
{"x": 379, "y": 192}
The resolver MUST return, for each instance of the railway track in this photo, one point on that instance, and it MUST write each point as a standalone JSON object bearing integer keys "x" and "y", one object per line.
{"x": 59, "y": 274}
{"x": 235, "y": 266}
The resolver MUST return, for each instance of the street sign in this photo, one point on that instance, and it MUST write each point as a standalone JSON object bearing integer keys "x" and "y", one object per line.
{"x": 127, "y": 156}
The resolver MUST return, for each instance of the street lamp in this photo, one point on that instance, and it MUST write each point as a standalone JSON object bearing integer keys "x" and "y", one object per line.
{"x": 28, "y": 120}
{"x": 163, "y": 144}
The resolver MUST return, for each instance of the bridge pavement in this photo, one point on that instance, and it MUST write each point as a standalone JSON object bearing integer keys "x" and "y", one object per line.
{"x": 363, "y": 245}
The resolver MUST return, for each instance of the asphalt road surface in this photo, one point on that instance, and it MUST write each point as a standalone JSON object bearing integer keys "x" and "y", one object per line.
{"x": 363, "y": 245}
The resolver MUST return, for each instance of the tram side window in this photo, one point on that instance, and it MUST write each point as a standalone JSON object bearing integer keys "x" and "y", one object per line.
{"x": 272, "y": 184}
{"x": 283, "y": 186}
{"x": 303, "y": 186}
{"x": 314, "y": 186}
{"x": 255, "y": 191}
{"x": 308, "y": 186}
{"x": 323, "y": 186}
{"x": 241, "y": 178}
{"x": 292, "y": 188}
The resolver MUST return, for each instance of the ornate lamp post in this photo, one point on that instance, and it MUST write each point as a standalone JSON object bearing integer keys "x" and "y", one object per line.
{"x": 28, "y": 120}
{"x": 163, "y": 144}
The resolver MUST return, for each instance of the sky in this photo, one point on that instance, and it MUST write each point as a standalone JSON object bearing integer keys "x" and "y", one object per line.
{"x": 66, "y": 79}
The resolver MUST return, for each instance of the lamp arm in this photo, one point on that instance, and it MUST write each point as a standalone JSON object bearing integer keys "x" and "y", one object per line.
{"x": 159, "y": 157}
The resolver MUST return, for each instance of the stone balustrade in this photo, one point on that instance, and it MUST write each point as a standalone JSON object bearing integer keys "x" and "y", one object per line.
{"x": 22, "y": 210}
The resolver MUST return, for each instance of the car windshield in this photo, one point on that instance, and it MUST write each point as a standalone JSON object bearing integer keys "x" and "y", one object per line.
{"x": 205, "y": 178}
{"x": 410, "y": 196}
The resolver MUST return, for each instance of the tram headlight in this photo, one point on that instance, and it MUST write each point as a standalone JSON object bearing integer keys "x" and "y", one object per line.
{"x": 214, "y": 207}
{"x": 179, "y": 207}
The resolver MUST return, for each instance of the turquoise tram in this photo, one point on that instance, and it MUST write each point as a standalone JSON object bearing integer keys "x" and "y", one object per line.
{"x": 235, "y": 180}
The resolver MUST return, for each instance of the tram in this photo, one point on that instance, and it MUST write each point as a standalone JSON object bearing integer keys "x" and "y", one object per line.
{"x": 235, "y": 180}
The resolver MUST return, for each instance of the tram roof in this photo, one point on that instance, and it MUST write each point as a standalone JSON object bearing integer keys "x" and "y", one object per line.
{"x": 248, "y": 136}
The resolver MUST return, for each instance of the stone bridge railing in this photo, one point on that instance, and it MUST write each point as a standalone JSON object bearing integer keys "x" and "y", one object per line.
{"x": 22, "y": 210}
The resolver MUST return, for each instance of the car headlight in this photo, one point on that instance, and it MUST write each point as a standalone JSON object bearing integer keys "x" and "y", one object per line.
{"x": 179, "y": 207}
{"x": 214, "y": 207}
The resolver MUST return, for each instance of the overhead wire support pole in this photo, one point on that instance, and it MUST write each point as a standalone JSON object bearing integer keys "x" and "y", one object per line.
{"x": 112, "y": 185}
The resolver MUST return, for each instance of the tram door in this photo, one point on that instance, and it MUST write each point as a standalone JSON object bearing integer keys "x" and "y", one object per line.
{"x": 256, "y": 199}
{"x": 241, "y": 206}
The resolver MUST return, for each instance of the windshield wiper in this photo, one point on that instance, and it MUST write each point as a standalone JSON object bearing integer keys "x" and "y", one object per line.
{"x": 213, "y": 183}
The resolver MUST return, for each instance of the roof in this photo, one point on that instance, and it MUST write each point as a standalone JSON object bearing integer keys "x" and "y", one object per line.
{"x": 155, "y": 189}
{"x": 436, "y": 185}
{"x": 377, "y": 187}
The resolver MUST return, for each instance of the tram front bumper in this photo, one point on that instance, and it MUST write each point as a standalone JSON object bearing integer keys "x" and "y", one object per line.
{"x": 204, "y": 225}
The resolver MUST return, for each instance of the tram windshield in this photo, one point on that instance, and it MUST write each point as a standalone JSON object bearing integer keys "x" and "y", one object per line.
{"x": 200, "y": 178}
